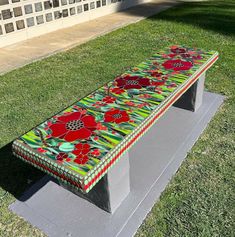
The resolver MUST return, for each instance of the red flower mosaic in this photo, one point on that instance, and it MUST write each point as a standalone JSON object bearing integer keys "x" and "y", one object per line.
{"x": 96, "y": 152}
{"x": 145, "y": 96}
{"x": 116, "y": 116}
{"x": 130, "y": 103}
{"x": 158, "y": 83}
{"x": 178, "y": 50}
{"x": 155, "y": 73}
{"x": 177, "y": 65}
{"x": 62, "y": 156}
{"x": 185, "y": 55}
{"x": 99, "y": 104}
{"x": 196, "y": 57}
{"x": 117, "y": 91}
{"x": 81, "y": 153}
{"x": 132, "y": 82}
{"x": 172, "y": 85}
{"x": 109, "y": 99}
{"x": 101, "y": 127}
{"x": 41, "y": 150}
{"x": 142, "y": 105}
{"x": 74, "y": 126}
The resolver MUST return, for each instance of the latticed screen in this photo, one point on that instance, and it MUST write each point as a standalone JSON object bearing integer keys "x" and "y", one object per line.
{"x": 22, "y": 15}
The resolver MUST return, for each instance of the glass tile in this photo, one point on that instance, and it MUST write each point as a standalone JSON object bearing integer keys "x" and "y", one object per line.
{"x": 56, "y": 3}
{"x": 30, "y": 21}
{"x": 49, "y": 17}
{"x": 28, "y": 9}
{"x": 6, "y": 14}
{"x": 9, "y": 27}
{"x": 98, "y": 4}
{"x": 4, "y": 2}
{"x": 103, "y": 2}
{"x": 47, "y": 5}
{"x": 38, "y": 6}
{"x": 13, "y": 1}
{"x": 20, "y": 25}
{"x": 65, "y": 13}
{"x": 79, "y": 9}
{"x": 72, "y": 11}
{"x": 1, "y": 30}
{"x": 57, "y": 14}
{"x": 86, "y": 7}
{"x": 64, "y": 2}
{"x": 71, "y": 1}
{"x": 39, "y": 19}
{"x": 17, "y": 11}
{"x": 92, "y": 5}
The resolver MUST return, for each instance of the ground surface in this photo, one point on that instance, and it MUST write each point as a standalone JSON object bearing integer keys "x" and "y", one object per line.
{"x": 199, "y": 201}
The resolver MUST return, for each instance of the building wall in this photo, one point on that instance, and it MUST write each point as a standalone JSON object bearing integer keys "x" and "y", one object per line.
{"x": 24, "y": 19}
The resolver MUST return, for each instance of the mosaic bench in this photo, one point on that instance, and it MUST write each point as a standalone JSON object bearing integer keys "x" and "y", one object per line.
{"x": 81, "y": 144}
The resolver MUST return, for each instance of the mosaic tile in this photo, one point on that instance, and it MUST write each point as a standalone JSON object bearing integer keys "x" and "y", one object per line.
{"x": 57, "y": 14}
{"x": 17, "y": 11}
{"x": 81, "y": 143}
{"x": 4, "y": 2}
{"x": 49, "y": 17}
{"x": 56, "y": 3}
{"x": 86, "y": 7}
{"x": 64, "y": 2}
{"x": 38, "y": 6}
{"x": 98, "y": 4}
{"x": 28, "y": 9}
{"x": 6, "y": 14}
{"x": 72, "y": 11}
{"x": 65, "y": 13}
{"x": 47, "y": 5}
{"x": 79, "y": 9}
{"x": 20, "y": 25}
{"x": 39, "y": 19}
{"x": 92, "y": 5}
{"x": 30, "y": 21}
{"x": 9, "y": 27}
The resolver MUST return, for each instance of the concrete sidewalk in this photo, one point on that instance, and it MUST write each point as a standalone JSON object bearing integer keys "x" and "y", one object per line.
{"x": 20, "y": 54}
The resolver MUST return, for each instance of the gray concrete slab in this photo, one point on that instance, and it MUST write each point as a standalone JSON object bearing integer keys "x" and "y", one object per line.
{"x": 58, "y": 212}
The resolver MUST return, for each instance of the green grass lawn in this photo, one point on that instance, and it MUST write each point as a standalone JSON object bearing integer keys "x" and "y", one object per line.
{"x": 199, "y": 201}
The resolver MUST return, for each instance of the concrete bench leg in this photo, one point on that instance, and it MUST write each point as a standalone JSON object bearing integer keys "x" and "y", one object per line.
{"x": 192, "y": 98}
{"x": 112, "y": 189}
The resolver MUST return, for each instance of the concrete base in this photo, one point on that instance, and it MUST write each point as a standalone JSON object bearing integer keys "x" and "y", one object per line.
{"x": 109, "y": 193}
{"x": 58, "y": 212}
{"x": 192, "y": 99}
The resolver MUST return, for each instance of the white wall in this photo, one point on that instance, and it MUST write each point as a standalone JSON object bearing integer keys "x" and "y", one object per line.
{"x": 18, "y": 18}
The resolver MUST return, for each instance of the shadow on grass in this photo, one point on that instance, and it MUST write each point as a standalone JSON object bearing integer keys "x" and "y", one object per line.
{"x": 15, "y": 175}
{"x": 218, "y": 16}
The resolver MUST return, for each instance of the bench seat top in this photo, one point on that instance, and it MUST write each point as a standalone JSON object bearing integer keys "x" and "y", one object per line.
{"x": 80, "y": 144}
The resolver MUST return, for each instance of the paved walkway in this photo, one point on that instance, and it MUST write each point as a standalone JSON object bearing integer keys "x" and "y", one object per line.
{"x": 20, "y": 54}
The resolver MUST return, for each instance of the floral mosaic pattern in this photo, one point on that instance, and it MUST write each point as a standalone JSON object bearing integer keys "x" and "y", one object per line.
{"x": 85, "y": 135}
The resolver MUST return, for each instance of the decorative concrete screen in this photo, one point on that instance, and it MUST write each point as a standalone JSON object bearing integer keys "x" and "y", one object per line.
{"x": 23, "y": 19}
